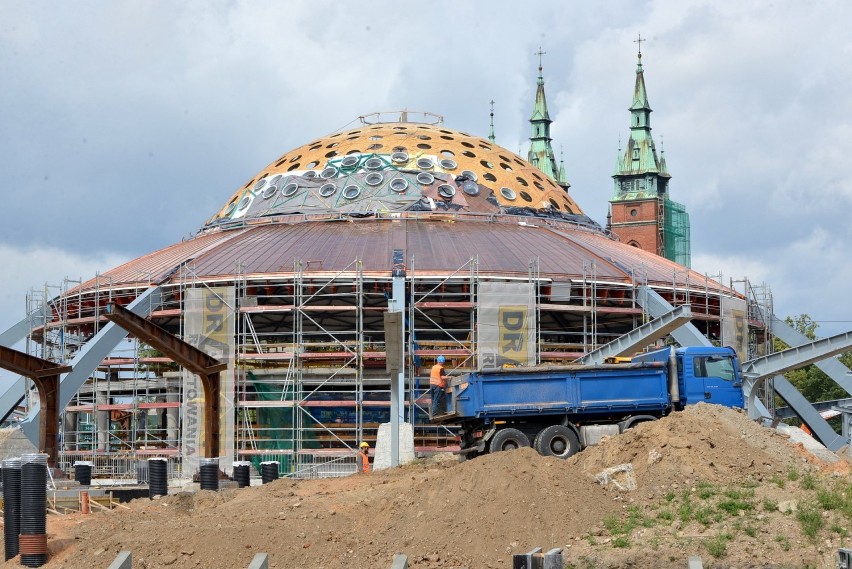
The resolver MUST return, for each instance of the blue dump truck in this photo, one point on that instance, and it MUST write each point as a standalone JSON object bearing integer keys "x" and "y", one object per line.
{"x": 560, "y": 410}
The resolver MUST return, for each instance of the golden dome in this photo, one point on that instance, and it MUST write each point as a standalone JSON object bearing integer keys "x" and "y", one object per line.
{"x": 395, "y": 167}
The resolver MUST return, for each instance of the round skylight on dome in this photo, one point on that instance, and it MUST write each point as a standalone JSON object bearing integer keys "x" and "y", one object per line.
{"x": 327, "y": 190}
{"x": 349, "y": 162}
{"x": 508, "y": 193}
{"x": 374, "y": 179}
{"x": 269, "y": 191}
{"x": 471, "y": 188}
{"x": 446, "y": 191}
{"x": 373, "y": 163}
{"x": 260, "y": 183}
{"x": 399, "y": 185}
{"x": 351, "y": 192}
{"x": 425, "y": 178}
{"x": 290, "y": 189}
{"x": 310, "y": 174}
{"x": 329, "y": 172}
{"x": 399, "y": 157}
{"x": 448, "y": 164}
{"x": 425, "y": 163}
{"x": 469, "y": 175}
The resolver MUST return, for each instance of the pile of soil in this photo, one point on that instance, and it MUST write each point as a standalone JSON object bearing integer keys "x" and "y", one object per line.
{"x": 476, "y": 514}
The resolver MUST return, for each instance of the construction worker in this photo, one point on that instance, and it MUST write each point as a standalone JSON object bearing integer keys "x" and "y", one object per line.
{"x": 363, "y": 459}
{"x": 437, "y": 385}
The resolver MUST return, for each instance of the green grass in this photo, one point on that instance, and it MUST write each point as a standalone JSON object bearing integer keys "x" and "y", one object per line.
{"x": 792, "y": 475}
{"x": 778, "y": 481}
{"x": 665, "y": 515}
{"x": 670, "y": 496}
{"x": 621, "y": 542}
{"x": 705, "y": 490}
{"x": 718, "y": 546}
{"x": 783, "y": 542}
{"x": 808, "y": 482}
{"x": 830, "y": 498}
{"x": 769, "y": 505}
{"x": 811, "y": 520}
{"x": 733, "y": 506}
{"x": 686, "y": 510}
{"x": 750, "y": 531}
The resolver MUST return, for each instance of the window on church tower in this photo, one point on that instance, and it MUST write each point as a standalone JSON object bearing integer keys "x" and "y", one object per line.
{"x": 636, "y": 154}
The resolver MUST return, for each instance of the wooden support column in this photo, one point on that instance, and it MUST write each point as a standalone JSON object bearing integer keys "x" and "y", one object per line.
{"x": 196, "y": 361}
{"x": 45, "y": 374}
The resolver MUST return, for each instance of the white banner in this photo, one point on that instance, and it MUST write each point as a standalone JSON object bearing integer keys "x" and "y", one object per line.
{"x": 209, "y": 325}
{"x": 506, "y": 325}
{"x": 735, "y": 325}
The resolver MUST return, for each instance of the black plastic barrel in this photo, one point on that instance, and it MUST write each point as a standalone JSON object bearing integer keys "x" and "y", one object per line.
{"x": 33, "y": 539}
{"x": 242, "y": 474}
{"x": 208, "y": 473}
{"x": 11, "y": 505}
{"x": 268, "y": 471}
{"x": 158, "y": 477}
{"x": 83, "y": 472}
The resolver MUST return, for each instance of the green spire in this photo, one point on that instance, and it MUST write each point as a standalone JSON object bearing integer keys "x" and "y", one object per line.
{"x": 639, "y": 172}
{"x": 541, "y": 151}
{"x": 491, "y": 136}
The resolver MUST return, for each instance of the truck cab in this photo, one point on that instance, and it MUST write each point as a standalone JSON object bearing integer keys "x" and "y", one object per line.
{"x": 707, "y": 374}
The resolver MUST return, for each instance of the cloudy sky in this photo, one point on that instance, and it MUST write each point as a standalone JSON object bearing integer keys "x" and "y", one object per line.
{"x": 125, "y": 125}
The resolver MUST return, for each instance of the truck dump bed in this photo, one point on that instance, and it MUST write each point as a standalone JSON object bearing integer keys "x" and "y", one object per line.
{"x": 560, "y": 390}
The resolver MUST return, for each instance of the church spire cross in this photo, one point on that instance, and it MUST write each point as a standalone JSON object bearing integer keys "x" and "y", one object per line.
{"x": 639, "y": 41}
{"x": 539, "y": 53}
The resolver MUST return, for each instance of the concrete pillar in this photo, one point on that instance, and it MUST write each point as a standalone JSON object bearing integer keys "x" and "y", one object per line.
{"x": 172, "y": 416}
{"x": 102, "y": 420}
{"x": 69, "y": 431}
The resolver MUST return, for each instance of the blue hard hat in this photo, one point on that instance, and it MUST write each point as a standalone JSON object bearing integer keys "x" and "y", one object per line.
{"x": 441, "y": 359}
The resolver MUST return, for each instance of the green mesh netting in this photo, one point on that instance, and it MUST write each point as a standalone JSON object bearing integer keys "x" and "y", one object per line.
{"x": 276, "y": 432}
{"x": 676, "y": 241}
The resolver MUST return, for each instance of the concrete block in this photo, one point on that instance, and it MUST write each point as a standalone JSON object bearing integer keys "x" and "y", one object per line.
{"x": 122, "y": 561}
{"x": 382, "y": 457}
{"x": 260, "y": 561}
{"x": 400, "y": 561}
{"x": 694, "y": 562}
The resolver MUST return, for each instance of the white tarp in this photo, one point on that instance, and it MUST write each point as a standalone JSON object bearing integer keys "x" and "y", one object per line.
{"x": 506, "y": 325}
{"x": 209, "y": 326}
{"x": 735, "y": 326}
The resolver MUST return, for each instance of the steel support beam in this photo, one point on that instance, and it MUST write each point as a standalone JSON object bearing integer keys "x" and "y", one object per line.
{"x": 12, "y": 393}
{"x": 187, "y": 355}
{"x": 45, "y": 375}
{"x": 831, "y": 367}
{"x": 89, "y": 357}
{"x": 758, "y": 370}
{"x": 640, "y": 337}
{"x": 21, "y": 330}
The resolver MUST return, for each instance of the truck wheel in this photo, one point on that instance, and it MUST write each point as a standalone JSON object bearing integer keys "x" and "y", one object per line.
{"x": 557, "y": 441}
{"x": 508, "y": 439}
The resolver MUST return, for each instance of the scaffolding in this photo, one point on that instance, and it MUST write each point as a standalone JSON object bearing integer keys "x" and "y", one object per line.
{"x": 309, "y": 372}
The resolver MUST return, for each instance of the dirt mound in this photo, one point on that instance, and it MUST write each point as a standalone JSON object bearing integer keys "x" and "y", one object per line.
{"x": 703, "y": 443}
{"x": 707, "y": 481}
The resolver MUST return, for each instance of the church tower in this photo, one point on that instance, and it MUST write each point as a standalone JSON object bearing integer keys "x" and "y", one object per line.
{"x": 541, "y": 153}
{"x": 641, "y": 213}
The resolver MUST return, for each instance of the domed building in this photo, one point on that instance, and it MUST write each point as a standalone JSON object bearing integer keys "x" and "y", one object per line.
{"x": 489, "y": 259}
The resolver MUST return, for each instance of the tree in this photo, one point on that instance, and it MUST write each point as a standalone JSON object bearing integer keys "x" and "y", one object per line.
{"x": 811, "y": 381}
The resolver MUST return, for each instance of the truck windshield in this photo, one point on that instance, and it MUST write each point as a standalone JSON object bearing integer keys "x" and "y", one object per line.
{"x": 714, "y": 366}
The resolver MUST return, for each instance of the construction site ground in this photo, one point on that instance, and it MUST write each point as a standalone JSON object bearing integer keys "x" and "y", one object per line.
{"x": 707, "y": 481}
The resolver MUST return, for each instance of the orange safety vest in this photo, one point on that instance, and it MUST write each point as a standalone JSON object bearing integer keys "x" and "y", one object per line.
{"x": 437, "y": 377}
{"x": 365, "y": 462}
